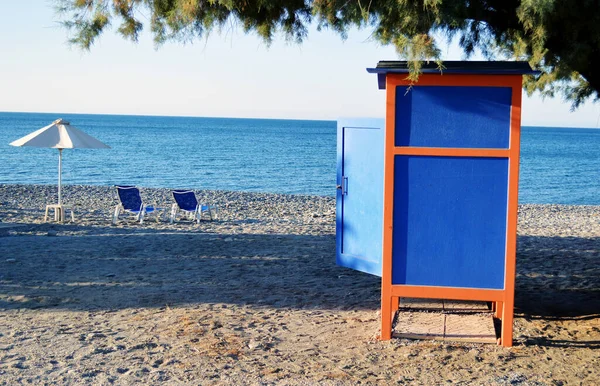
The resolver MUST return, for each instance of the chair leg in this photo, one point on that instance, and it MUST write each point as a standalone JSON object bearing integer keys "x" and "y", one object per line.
{"x": 212, "y": 212}
{"x": 173, "y": 213}
{"x": 116, "y": 213}
{"x": 46, "y": 215}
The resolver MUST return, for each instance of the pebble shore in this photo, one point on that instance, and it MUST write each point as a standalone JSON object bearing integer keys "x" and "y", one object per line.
{"x": 239, "y": 212}
{"x": 255, "y": 298}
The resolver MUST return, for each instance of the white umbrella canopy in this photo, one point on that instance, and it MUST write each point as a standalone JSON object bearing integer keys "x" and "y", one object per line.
{"x": 60, "y": 135}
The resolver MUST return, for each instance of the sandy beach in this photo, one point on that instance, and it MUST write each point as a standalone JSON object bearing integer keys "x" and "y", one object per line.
{"x": 255, "y": 298}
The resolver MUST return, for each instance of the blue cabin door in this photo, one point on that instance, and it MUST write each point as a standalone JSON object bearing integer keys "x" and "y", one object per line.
{"x": 359, "y": 199}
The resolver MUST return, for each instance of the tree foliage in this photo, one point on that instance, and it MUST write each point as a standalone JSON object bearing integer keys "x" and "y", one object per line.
{"x": 559, "y": 37}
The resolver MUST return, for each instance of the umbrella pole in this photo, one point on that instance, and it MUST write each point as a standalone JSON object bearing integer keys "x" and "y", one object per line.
{"x": 59, "y": 173}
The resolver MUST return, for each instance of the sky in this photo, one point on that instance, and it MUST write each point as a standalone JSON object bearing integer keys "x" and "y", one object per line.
{"x": 226, "y": 75}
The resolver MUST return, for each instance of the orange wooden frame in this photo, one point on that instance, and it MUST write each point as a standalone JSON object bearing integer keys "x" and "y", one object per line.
{"x": 502, "y": 300}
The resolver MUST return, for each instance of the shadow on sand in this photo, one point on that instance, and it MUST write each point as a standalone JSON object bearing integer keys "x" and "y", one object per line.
{"x": 558, "y": 277}
{"x": 558, "y": 280}
{"x": 92, "y": 268}
{"x": 112, "y": 268}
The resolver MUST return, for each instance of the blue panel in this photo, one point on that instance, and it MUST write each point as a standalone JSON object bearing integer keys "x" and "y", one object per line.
{"x": 450, "y": 221}
{"x": 359, "y": 215}
{"x": 432, "y": 116}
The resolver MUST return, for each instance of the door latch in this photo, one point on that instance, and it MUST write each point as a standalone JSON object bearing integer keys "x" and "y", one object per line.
{"x": 343, "y": 186}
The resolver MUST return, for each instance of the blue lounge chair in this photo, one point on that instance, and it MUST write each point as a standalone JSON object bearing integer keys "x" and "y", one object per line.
{"x": 185, "y": 200}
{"x": 131, "y": 202}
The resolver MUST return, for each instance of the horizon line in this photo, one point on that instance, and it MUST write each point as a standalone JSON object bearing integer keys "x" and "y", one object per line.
{"x": 257, "y": 118}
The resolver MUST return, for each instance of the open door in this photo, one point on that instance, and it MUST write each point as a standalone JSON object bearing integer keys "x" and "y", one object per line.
{"x": 359, "y": 214}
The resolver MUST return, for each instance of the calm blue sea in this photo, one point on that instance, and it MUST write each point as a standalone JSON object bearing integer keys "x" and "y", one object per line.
{"x": 558, "y": 165}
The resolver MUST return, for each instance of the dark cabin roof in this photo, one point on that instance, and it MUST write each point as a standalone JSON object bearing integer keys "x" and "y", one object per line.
{"x": 385, "y": 67}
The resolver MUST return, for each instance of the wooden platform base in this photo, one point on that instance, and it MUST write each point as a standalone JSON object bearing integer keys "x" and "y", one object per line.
{"x": 446, "y": 320}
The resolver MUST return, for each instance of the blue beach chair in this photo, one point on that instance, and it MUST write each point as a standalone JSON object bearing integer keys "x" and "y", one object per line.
{"x": 131, "y": 202}
{"x": 185, "y": 201}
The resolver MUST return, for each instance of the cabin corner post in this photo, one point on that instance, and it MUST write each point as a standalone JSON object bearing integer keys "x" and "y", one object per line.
{"x": 389, "y": 303}
{"x": 507, "y": 311}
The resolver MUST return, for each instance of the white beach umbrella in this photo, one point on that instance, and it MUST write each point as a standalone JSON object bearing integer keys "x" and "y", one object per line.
{"x": 60, "y": 135}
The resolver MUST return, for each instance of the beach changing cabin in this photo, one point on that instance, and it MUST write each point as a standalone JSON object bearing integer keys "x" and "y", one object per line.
{"x": 427, "y": 198}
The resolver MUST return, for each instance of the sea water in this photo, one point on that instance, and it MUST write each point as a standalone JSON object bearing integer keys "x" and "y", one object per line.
{"x": 558, "y": 165}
